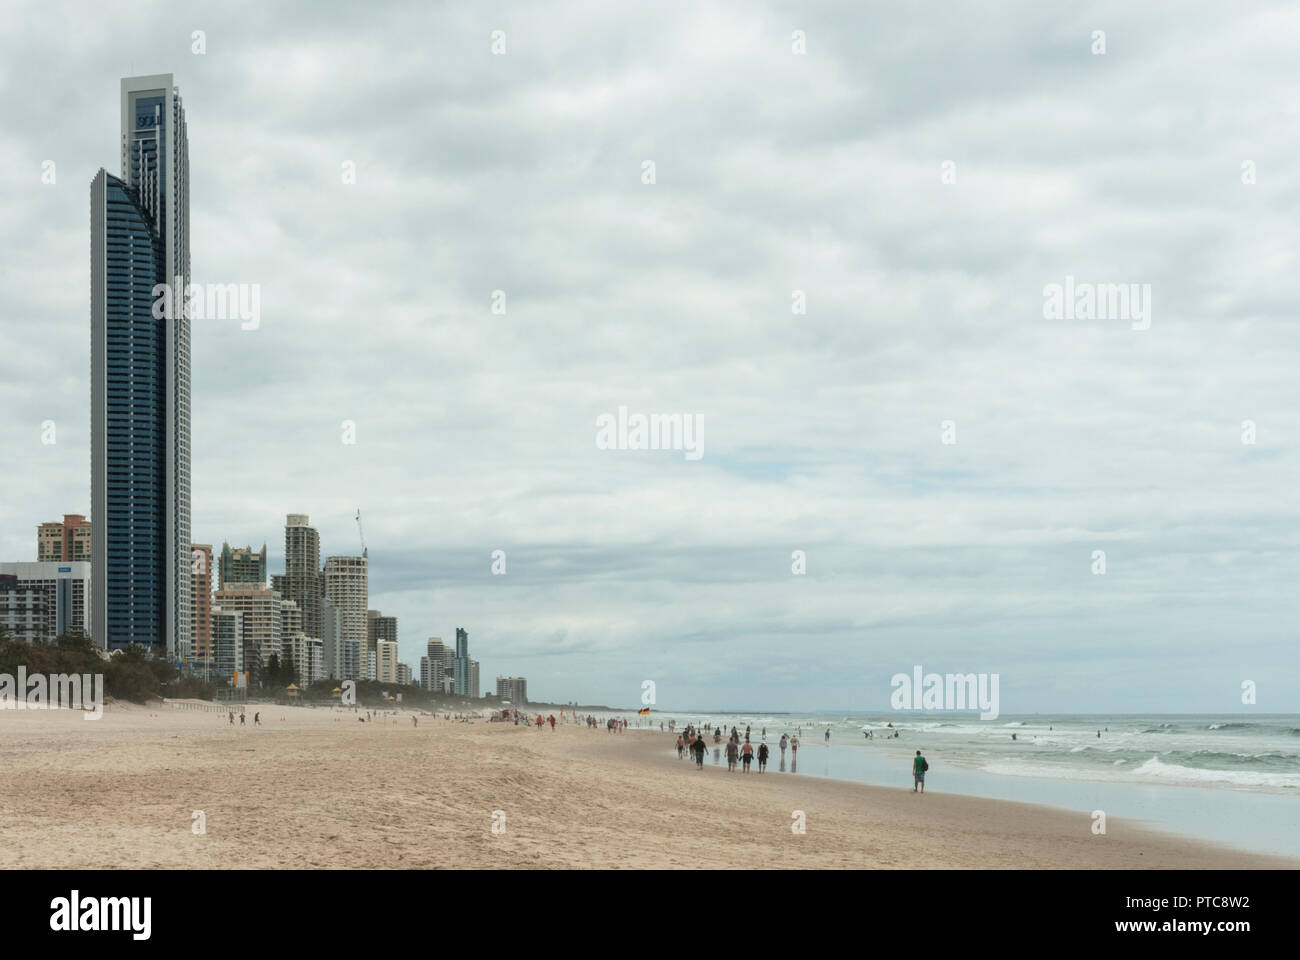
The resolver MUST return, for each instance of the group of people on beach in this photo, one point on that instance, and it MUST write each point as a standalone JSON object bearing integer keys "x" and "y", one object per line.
{"x": 692, "y": 741}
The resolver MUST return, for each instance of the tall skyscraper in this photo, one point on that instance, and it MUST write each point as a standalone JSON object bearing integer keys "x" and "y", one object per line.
{"x": 140, "y": 379}
{"x": 460, "y": 677}
{"x": 303, "y": 581}
{"x": 346, "y": 588}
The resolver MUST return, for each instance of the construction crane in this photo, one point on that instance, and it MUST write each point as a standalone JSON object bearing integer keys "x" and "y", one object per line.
{"x": 361, "y": 533}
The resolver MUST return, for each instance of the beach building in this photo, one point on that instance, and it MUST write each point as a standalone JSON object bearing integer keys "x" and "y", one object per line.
{"x": 346, "y": 587}
{"x": 514, "y": 689}
{"x": 386, "y": 661}
{"x": 39, "y": 601}
{"x": 241, "y": 565}
{"x": 69, "y": 539}
{"x": 140, "y": 379}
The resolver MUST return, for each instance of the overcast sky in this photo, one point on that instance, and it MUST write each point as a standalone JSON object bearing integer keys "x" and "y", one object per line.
{"x": 774, "y": 172}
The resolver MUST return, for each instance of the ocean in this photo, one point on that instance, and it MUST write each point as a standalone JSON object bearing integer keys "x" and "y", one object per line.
{"x": 1231, "y": 779}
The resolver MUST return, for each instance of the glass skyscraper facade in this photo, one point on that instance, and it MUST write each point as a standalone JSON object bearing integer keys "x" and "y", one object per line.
{"x": 460, "y": 677}
{"x": 140, "y": 380}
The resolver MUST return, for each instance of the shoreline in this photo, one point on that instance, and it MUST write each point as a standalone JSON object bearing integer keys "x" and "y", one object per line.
{"x": 313, "y": 788}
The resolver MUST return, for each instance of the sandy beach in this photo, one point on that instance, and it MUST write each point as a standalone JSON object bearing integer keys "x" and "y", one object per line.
{"x": 316, "y": 789}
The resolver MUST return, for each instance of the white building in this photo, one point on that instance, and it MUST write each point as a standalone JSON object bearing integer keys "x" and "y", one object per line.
{"x": 41, "y": 600}
{"x": 308, "y": 655}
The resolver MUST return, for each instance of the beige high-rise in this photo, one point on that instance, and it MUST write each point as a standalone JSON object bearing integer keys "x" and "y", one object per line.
{"x": 262, "y": 612}
{"x": 386, "y": 654}
{"x": 347, "y": 588}
{"x": 201, "y": 609}
{"x": 65, "y": 541}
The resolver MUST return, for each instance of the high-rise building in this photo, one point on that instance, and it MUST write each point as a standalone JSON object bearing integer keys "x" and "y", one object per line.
{"x": 473, "y": 679}
{"x": 433, "y": 670}
{"x": 303, "y": 581}
{"x": 342, "y": 658}
{"x": 346, "y": 587}
{"x": 241, "y": 565}
{"x": 307, "y": 654}
{"x": 227, "y": 645}
{"x": 261, "y": 607}
{"x": 514, "y": 689}
{"x": 67, "y": 540}
{"x": 140, "y": 378}
{"x": 201, "y": 574}
{"x": 39, "y": 602}
{"x": 290, "y": 629}
{"x": 404, "y": 674}
{"x": 460, "y": 675}
{"x": 386, "y": 661}
{"x": 380, "y": 627}
{"x": 448, "y": 670}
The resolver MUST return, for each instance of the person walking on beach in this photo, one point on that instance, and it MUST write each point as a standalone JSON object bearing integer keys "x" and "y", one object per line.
{"x": 785, "y": 742}
{"x": 241, "y": 719}
{"x": 680, "y": 746}
{"x": 699, "y": 753}
{"x": 257, "y": 719}
{"x": 794, "y": 745}
{"x": 919, "y": 766}
{"x": 232, "y": 718}
{"x": 732, "y": 751}
{"x": 747, "y": 754}
{"x": 762, "y": 756}
{"x": 828, "y": 736}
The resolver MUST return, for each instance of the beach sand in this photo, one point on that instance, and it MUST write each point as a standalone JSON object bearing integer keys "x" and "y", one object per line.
{"x": 317, "y": 789}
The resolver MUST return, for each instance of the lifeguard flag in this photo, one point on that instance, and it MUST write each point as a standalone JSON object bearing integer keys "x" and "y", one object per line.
{"x": 644, "y": 712}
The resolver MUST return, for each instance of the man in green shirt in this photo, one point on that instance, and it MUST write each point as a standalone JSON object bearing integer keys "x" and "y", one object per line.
{"x": 919, "y": 766}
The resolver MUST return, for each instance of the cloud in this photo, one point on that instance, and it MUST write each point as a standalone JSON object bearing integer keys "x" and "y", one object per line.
{"x": 774, "y": 173}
